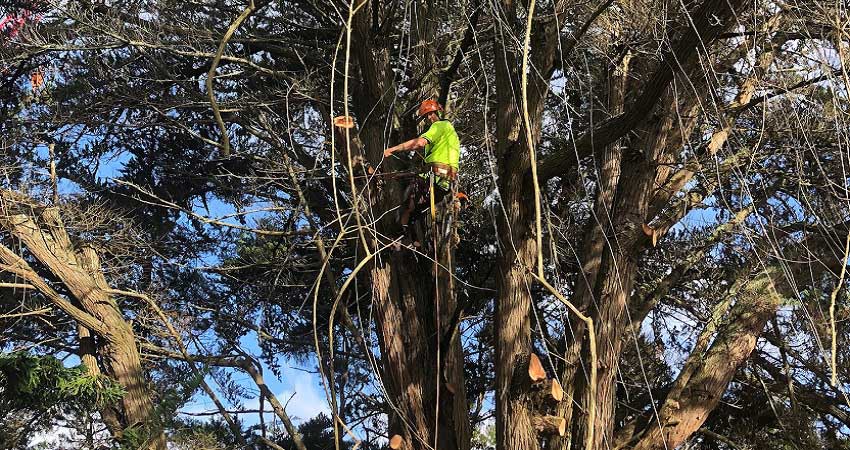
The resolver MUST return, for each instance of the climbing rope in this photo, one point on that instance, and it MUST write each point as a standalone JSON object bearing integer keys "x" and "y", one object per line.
{"x": 434, "y": 235}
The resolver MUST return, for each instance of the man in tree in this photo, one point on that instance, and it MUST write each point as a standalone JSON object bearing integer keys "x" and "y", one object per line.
{"x": 442, "y": 154}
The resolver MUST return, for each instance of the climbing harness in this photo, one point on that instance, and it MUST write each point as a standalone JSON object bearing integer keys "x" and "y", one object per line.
{"x": 444, "y": 171}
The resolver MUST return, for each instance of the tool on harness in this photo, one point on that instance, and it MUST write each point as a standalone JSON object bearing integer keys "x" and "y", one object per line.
{"x": 444, "y": 171}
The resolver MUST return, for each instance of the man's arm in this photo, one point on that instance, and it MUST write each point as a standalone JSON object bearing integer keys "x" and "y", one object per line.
{"x": 407, "y": 146}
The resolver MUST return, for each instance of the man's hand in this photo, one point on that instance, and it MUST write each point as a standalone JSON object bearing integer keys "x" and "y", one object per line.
{"x": 388, "y": 152}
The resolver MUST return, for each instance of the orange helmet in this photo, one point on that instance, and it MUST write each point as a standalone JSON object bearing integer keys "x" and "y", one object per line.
{"x": 429, "y": 106}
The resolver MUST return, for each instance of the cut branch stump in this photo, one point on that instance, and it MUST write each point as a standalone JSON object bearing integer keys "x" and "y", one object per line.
{"x": 550, "y": 425}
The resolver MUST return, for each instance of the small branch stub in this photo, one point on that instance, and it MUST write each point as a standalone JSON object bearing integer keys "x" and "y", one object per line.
{"x": 550, "y": 425}
{"x": 343, "y": 122}
{"x": 549, "y": 392}
{"x": 653, "y": 234}
{"x": 536, "y": 372}
{"x": 553, "y": 391}
{"x": 395, "y": 442}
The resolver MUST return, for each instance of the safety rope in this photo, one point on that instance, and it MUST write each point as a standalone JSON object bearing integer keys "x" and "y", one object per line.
{"x": 434, "y": 236}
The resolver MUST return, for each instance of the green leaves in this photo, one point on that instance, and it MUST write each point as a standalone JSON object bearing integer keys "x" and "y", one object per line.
{"x": 43, "y": 384}
{"x": 36, "y": 392}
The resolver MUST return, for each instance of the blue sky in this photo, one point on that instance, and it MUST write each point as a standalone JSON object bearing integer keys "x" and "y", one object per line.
{"x": 299, "y": 387}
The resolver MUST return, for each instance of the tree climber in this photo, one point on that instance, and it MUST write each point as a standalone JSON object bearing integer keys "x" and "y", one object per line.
{"x": 442, "y": 154}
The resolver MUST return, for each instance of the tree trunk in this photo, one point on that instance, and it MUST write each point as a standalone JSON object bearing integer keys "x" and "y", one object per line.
{"x": 427, "y": 392}
{"x": 698, "y": 390}
{"x": 618, "y": 268}
{"x": 608, "y": 175}
{"x": 429, "y": 402}
{"x": 518, "y": 247}
{"x": 427, "y": 399}
{"x": 514, "y": 428}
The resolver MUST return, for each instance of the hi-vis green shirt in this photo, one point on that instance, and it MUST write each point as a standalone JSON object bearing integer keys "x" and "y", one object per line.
{"x": 443, "y": 144}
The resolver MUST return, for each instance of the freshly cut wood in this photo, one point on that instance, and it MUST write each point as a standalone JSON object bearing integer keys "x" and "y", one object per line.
{"x": 548, "y": 392}
{"x": 652, "y": 233}
{"x": 395, "y": 442}
{"x": 553, "y": 390}
{"x": 550, "y": 424}
{"x": 536, "y": 372}
{"x": 343, "y": 122}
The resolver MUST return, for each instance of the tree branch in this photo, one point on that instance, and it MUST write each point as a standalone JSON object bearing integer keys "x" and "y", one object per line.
{"x": 225, "y": 139}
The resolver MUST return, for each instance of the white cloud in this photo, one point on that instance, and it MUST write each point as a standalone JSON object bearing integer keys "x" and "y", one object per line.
{"x": 309, "y": 398}
{"x": 300, "y": 393}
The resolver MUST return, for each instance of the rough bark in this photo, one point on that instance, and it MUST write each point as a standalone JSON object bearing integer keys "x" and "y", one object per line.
{"x": 647, "y": 156}
{"x": 618, "y": 268}
{"x": 79, "y": 270}
{"x": 699, "y": 389}
{"x": 514, "y": 428}
{"x": 513, "y": 340}
{"x": 518, "y": 248}
{"x": 87, "y": 352}
{"x": 405, "y": 312}
{"x": 608, "y": 175}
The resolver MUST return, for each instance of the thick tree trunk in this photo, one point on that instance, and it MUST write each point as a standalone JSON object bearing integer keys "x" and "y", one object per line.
{"x": 595, "y": 242}
{"x": 618, "y": 269}
{"x": 122, "y": 356}
{"x": 514, "y": 428}
{"x": 427, "y": 392}
{"x": 647, "y": 156}
{"x": 88, "y": 356}
{"x": 426, "y": 398}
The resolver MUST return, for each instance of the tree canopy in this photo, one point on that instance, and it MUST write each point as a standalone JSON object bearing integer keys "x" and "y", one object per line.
{"x": 658, "y": 224}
